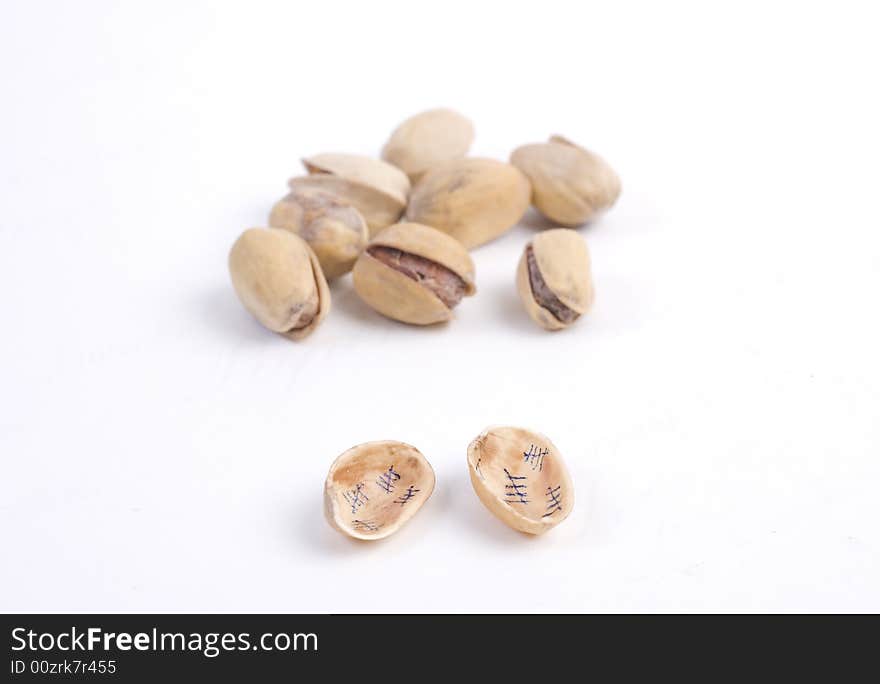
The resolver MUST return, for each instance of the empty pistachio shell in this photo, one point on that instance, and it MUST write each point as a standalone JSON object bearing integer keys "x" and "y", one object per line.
{"x": 334, "y": 229}
{"x": 428, "y": 139}
{"x": 474, "y": 200}
{"x": 569, "y": 184}
{"x": 414, "y": 273}
{"x": 375, "y": 188}
{"x": 279, "y": 280}
{"x": 520, "y": 476}
{"x": 373, "y": 489}
{"x": 553, "y": 278}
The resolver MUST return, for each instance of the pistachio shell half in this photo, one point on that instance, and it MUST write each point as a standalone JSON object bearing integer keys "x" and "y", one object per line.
{"x": 570, "y": 185}
{"x": 520, "y": 476}
{"x": 414, "y": 273}
{"x": 375, "y": 188}
{"x": 474, "y": 200}
{"x": 428, "y": 139}
{"x": 373, "y": 489}
{"x": 554, "y": 279}
{"x": 334, "y": 229}
{"x": 279, "y": 280}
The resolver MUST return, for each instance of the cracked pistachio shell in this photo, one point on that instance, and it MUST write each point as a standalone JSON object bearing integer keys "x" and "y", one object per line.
{"x": 334, "y": 229}
{"x": 473, "y": 200}
{"x": 427, "y": 139}
{"x": 398, "y": 296}
{"x": 563, "y": 261}
{"x": 520, "y": 476}
{"x": 377, "y": 189}
{"x": 278, "y": 279}
{"x": 570, "y": 185}
{"x": 373, "y": 489}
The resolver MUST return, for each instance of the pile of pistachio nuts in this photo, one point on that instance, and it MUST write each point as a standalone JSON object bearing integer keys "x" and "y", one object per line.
{"x": 403, "y": 225}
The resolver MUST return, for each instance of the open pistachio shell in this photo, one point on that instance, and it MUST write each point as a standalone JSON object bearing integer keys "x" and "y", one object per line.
{"x": 554, "y": 278}
{"x": 414, "y": 274}
{"x": 278, "y": 279}
{"x": 334, "y": 229}
{"x": 570, "y": 185}
{"x": 378, "y": 190}
{"x": 520, "y": 476}
{"x": 473, "y": 200}
{"x": 373, "y": 489}
{"x": 428, "y": 139}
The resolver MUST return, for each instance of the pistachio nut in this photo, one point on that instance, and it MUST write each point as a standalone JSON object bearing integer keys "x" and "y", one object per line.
{"x": 428, "y": 139}
{"x": 334, "y": 229}
{"x": 413, "y": 273}
{"x": 520, "y": 476}
{"x": 569, "y": 184}
{"x": 375, "y": 188}
{"x": 279, "y": 280}
{"x": 373, "y": 489}
{"x": 553, "y": 278}
{"x": 474, "y": 200}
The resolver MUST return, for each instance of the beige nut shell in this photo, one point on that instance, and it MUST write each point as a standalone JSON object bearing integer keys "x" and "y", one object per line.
{"x": 473, "y": 200}
{"x": 373, "y": 489}
{"x": 276, "y": 275}
{"x": 398, "y": 296}
{"x": 570, "y": 185}
{"x": 563, "y": 259}
{"x": 334, "y": 229}
{"x": 520, "y": 476}
{"x": 427, "y": 139}
{"x": 377, "y": 189}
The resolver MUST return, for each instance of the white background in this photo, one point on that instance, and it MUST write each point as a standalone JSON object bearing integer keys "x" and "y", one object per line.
{"x": 719, "y": 409}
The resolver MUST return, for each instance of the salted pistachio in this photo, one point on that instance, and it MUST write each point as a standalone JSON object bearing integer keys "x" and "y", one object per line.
{"x": 474, "y": 200}
{"x": 377, "y": 189}
{"x": 414, "y": 273}
{"x": 521, "y": 478}
{"x": 373, "y": 489}
{"x": 279, "y": 280}
{"x": 570, "y": 185}
{"x": 334, "y": 229}
{"x": 553, "y": 278}
{"x": 428, "y": 139}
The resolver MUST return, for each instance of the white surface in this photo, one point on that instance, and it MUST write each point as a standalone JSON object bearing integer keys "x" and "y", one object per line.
{"x": 719, "y": 410}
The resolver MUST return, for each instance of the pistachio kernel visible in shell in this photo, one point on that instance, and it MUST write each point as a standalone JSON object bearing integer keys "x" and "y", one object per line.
{"x": 570, "y": 185}
{"x": 278, "y": 279}
{"x": 473, "y": 200}
{"x": 554, "y": 278}
{"x": 414, "y": 274}
{"x": 334, "y": 229}
{"x": 520, "y": 476}
{"x": 373, "y": 489}
{"x": 427, "y": 139}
